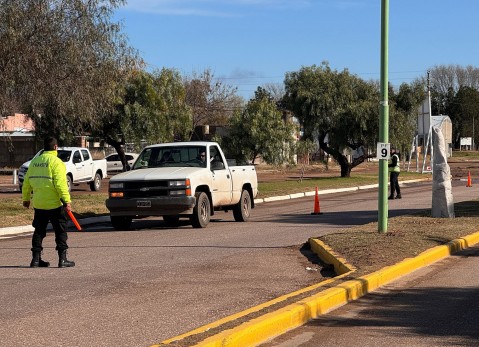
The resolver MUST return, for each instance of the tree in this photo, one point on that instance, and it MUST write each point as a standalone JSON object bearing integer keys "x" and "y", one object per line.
{"x": 212, "y": 103}
{"x": 444, "y": 77}
{"x": 337, "y": 108}
{"x": 152, "y": 109}
{"x": 446, "y": 81}
{"x": 464, "y": 109}
{"x": 403, "y": 114}
{"x": 61, "y": 61}
{"x": 260, "y": 130}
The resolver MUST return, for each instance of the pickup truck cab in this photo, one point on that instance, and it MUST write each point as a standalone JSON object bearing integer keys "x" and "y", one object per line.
{"x": 174, "y": 180}
{"x": 81, "y": 168}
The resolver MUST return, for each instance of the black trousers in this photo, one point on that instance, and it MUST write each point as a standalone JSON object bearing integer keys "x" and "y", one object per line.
{"x": 58, "y": 219}
{"x": 393, "y": 178}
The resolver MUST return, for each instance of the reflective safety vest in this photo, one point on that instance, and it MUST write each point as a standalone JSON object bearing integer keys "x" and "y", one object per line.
{"x": 395, "y": 159}
{"x": 46, "y": 178}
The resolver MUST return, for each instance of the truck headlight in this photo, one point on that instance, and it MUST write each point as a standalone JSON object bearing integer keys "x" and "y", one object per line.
{"x": 177, "y": 183}
{"x": 116, "y": 185}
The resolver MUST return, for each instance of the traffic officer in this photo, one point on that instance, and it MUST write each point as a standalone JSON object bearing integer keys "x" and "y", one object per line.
{"x": 46, "y": 185}
{"x": 394, "y": 171}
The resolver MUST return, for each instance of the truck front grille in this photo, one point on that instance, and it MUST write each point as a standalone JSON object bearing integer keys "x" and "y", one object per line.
{"x": 145, "y": 189}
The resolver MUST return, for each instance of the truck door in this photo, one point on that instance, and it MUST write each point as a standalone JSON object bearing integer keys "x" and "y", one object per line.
{"x": 222, "y": 183}
{"x": 87, "y": 164}
{"x": 79, "y": 165}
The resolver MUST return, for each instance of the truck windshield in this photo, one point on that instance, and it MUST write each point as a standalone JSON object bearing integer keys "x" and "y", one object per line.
{"x": 64, "y": 155}
{"x": 61, "y": 153}
{"x": 172, "y": 156}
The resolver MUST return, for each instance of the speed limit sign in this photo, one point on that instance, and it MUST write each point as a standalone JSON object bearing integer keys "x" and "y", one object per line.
{"x": 383, "y": 151}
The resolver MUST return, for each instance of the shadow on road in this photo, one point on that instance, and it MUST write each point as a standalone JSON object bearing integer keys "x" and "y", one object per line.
{"x": 419, "y": 311}
{"x": 344, "y": 218}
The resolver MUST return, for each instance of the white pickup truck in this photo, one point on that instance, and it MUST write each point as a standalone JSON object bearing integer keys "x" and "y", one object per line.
{"x": 181, "y": 179}
{"x": 81, "y": 168}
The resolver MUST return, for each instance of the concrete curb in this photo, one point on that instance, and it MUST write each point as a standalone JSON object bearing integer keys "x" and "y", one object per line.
{"x": 14, "y": 231}
{"x": 273, "y": 324}
{"x": 8, "y": 231}
{"x": 330, "y": 191}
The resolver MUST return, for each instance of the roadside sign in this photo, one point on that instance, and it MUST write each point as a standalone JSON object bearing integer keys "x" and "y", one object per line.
{"x": 383, "y": 151}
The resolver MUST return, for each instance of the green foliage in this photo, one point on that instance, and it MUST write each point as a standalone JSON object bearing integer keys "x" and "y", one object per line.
{"x": 152, "y": 109}
{"x": 454, "y": 92}
{"x": 61, "y": 60}
{"x": 403, "y": 114}
{"x": 260, "y": 130}
{"x": 305, "y": 147}
{"x": 337, "y": 108}
{"x": 464, "y": 110}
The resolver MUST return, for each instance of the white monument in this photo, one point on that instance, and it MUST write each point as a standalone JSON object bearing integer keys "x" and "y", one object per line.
{"x": 442, "y": 199}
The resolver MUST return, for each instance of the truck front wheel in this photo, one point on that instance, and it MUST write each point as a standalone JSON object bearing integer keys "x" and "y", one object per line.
{"x": 120, "y": 222}
{"x": 95, "y": 185}
{"x": 242, "y": 209}
{"x": 201, "y": 211}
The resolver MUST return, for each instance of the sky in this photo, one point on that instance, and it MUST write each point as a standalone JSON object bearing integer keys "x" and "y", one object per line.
{"x": 251, "y": 43}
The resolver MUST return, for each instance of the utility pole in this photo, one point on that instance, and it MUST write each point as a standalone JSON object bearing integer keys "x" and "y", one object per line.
{"x": 384, "y": 121}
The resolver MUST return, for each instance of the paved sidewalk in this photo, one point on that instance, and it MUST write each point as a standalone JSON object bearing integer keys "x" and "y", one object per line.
{"x": 434, "y": 306}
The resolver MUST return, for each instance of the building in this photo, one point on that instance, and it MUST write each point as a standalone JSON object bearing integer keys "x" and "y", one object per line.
{"x": 17, "y": 140}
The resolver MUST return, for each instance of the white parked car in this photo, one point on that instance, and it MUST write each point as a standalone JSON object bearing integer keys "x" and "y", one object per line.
{"x": 113, "y": 162}
{"x": 80, "y": 165}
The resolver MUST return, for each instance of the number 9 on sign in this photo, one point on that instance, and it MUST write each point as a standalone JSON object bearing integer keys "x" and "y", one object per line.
{"x": 383, "y": 151}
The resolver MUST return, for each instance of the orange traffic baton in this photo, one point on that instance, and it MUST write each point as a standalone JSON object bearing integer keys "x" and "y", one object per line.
{"x": 74, "y": 220}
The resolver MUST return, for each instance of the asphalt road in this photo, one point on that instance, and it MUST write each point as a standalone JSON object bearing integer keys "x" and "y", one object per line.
{"x": 143, "y": 286}
{"x": 434, "y": 306}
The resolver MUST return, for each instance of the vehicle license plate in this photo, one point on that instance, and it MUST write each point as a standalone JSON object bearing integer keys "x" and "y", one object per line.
{"x": 143, "y": 203}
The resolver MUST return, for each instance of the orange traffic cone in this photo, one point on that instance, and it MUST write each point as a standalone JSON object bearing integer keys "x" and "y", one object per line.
{"x": 469, "y": 181}
{"x": 316, "y": 203}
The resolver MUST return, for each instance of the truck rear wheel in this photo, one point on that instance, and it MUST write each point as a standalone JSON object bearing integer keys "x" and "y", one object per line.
{"x": 95, "y": 185}
{"x": 121, "y": 222}
{"x": 242, "y": 209}
{"x": 201, "y": 211}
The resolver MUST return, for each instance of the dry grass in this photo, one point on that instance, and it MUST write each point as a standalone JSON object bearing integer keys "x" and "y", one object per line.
{"x": 407, "y": 236}
{"x": 85, "y": 205}
{"x": 368, "y": 250}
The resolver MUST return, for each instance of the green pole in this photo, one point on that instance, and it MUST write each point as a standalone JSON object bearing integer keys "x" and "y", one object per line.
{"x": 383, "y": 121}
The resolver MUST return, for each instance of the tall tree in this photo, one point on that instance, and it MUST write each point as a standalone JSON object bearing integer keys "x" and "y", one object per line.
{"x": 403, "y": 113}
{"x": 211, "y": 101}
{"x": 152, "y": 109}
{"x": 337, "y": 108}
{"x": 61, "y": 60}
{"x": 445, "y": 81}
{"x": 465, "y": 113}
{"x": 261, "y": 130}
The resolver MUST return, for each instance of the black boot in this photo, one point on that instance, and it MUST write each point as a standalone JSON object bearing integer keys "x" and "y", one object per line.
{"x": 37, "y": 260}
{"x": 63, "y": 262}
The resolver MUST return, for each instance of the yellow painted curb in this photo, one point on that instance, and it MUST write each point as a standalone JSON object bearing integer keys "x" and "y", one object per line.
{"x": 327, "y": 255}
{"x": 275, "y": 323}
